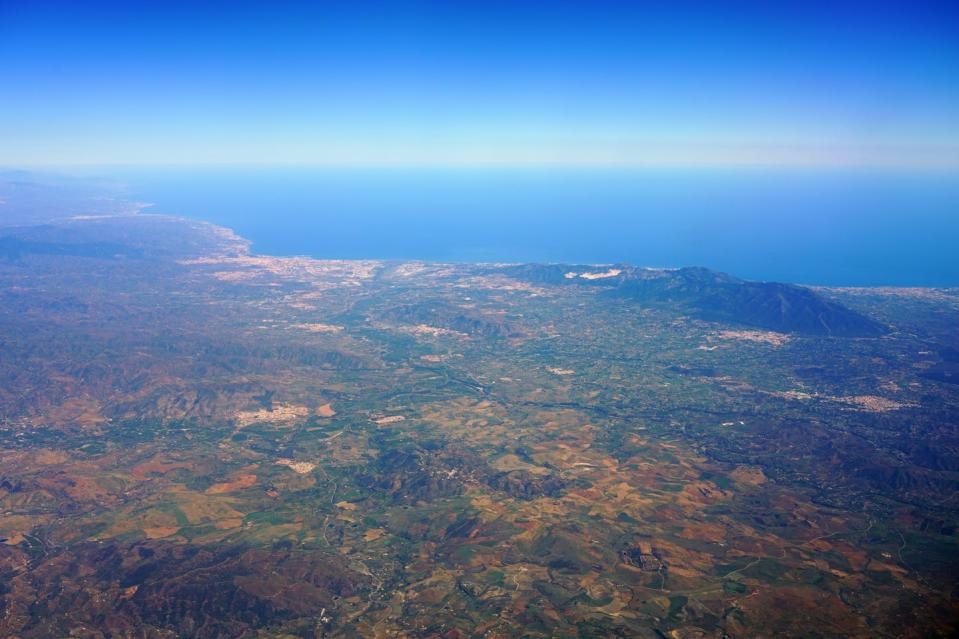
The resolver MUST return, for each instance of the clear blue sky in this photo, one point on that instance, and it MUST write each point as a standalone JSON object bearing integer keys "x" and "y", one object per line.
{"x": 479, "y": 83}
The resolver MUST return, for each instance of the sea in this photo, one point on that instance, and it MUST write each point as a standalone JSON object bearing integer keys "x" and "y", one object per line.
{"x": 820, "y": 227}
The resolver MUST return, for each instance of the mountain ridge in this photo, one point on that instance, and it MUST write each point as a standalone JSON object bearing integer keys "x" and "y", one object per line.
{"x": 714, "y": 296}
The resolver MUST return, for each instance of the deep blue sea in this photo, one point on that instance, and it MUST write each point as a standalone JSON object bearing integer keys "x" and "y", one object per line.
{"x": 815, "y": 227}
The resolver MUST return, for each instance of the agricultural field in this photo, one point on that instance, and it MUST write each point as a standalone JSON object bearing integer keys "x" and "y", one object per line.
{"x": 198, "y": 441}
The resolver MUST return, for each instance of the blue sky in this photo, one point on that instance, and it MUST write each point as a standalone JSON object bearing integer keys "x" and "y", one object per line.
{"x": 460, "y": 83}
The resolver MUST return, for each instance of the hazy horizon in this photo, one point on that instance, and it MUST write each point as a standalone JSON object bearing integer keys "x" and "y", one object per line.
{"x": 494, "y": 83}
{"x": 815, "y": 143}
